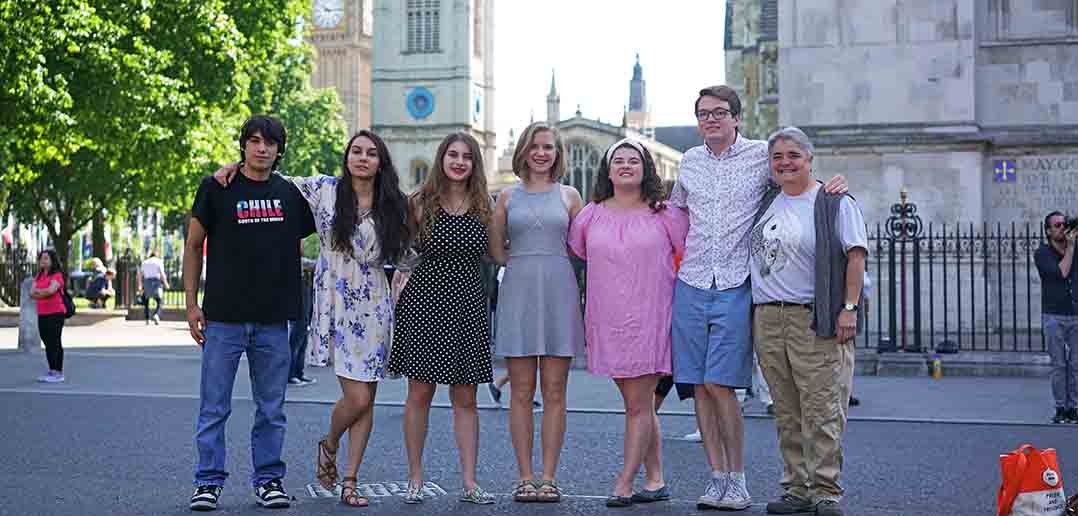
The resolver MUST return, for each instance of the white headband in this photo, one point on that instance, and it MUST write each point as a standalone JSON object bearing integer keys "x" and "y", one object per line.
{"x": 635, "y": 144}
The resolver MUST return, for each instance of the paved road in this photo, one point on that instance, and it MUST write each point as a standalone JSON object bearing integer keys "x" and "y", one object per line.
{"x": 66, "y": 454}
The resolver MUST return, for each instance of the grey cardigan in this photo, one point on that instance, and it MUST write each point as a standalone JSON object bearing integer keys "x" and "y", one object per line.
{"x": 831, "y": 261}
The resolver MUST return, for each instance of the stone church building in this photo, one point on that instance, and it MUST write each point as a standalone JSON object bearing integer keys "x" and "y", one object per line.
{"x": 971, "y": 105}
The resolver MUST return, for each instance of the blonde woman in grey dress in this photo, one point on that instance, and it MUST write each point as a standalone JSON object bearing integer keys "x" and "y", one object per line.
{"x": 540, "y": 328}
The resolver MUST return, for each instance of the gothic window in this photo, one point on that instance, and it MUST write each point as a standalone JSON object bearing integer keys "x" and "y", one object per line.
{"x": 419, "y": 172}
{"x": 583, "y": 164}
{"x": 1040, "y": 19}
{"x": 477, "y": 28}
{"x": 424, "y": 26}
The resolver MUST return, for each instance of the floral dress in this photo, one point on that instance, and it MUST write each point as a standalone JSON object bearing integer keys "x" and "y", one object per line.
{"x": 352, "y": 316}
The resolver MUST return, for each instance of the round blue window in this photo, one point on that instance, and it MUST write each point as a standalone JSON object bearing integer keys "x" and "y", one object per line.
{"x": 420, "y": 102}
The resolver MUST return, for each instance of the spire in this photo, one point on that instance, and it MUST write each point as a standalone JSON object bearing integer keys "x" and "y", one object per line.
{"x": 637, "y": 89}
{"x": 553, "y": 103}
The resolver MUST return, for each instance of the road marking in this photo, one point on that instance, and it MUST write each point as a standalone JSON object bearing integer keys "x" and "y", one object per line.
{"x": 375, "y": 490}
{"x": 65, "y": 389}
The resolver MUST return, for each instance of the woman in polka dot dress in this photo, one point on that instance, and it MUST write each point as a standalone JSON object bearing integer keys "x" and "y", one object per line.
{"x": 442, "y": 331}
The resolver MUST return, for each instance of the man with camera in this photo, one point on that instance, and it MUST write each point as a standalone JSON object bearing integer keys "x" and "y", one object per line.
{"x": 1059, "y": 317}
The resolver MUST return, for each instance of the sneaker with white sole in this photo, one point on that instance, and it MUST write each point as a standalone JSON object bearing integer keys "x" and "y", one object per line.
{"x": 272, "y": 495}
{"x": 694, "y": 437}
{"x": 737, "y": 494}
{"x": 53, "y": 377}
{"x": 713, "y": 493}
{"x": 205, "y": 498}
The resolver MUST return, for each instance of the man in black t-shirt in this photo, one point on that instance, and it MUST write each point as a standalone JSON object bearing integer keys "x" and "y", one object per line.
{"x": 1059, "y": 320}
{"x": 252, "y": 289}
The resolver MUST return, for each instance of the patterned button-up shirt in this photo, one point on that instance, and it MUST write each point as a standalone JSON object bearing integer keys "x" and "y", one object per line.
{"x": 722, "y": 194}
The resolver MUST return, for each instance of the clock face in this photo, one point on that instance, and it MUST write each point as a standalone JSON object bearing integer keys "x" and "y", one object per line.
{"x": 420, "y": 103}
{"x": 328, "y": 13}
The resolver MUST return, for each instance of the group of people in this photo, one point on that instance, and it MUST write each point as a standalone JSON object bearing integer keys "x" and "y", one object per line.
{"x": 739, "y": 208}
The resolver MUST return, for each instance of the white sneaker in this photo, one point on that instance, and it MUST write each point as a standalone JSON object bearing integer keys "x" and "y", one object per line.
{"x": 56, "y": 378}
{"x": 737, "y": 495}
{"x": 157, "y": 319}
{"x": 713, "y": 493}
{"x": 694, "y": 437}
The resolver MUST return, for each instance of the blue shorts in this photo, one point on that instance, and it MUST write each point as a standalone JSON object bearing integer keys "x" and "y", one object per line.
{"x": 712, "y": 339}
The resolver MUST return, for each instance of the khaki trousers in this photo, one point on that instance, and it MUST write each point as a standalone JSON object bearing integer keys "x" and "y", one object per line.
{"x": 810, "y": 380}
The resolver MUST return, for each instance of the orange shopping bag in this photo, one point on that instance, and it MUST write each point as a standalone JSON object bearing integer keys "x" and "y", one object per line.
{"x": 1032, "y": 484}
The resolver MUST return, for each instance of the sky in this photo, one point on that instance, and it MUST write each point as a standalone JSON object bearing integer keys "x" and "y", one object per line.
{"x": 591, "y": 45}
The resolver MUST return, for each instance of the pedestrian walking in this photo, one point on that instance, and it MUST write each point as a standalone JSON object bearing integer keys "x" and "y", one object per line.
{"x": 299, "y": 330}
{"x": 442, "y": 330}
{"x": 539, "y": 320}
{"x": 807, "y": 269}
{"x": 152, "y": 279}
{"x": 48, "y": 295}
{"x": 720, "y": 184}
{"x": 252, "y": 289}
{"x": 1055, "y": 260}
{"x": 629, "y": 237}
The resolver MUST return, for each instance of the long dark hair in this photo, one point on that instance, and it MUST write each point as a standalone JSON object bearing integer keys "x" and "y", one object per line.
{"x": 389, "y": 208}
{"x": 54, "y": 262}
{"x": 651, "y": 185}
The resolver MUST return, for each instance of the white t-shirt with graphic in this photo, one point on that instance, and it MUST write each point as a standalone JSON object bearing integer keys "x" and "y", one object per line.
{"x": 783, "y": 246}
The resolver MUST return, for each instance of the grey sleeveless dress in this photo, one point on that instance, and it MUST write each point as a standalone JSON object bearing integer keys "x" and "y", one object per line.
{"x": 538, "y": 300}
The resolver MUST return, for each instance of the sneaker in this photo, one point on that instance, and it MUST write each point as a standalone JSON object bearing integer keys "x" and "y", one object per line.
{"x": 854, "y": 401}
{"x": 414, "y": 494}
{"x": 790, "y": 504}
{"x": 477, "y": 495}
{"x": 495, "y": 394}
{"x": 205, "y": 498}
{"x": 770, "y": 409}
{"x": 694, "y": 437}
{"x": 45, "y": 377}
{"x": 713, "y": 493}
{"x": 828, "y": 508}
{"x": 157, "y": 319}
{"x": 296, "y": 382}
{"x": 1060, "y": 417}
{"x": 272, "y": 495}
{"x": 54, "y": 378}
{"x": 308, "y": 380}
{"x": 737, "y": 495}
{"x": 1072, "y": 415}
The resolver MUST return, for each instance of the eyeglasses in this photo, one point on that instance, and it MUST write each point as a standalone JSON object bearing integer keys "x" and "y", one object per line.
{"x": 717, "y": 114}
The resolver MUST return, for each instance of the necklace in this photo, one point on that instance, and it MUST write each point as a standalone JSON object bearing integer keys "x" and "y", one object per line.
{"x": 459, "y": 209}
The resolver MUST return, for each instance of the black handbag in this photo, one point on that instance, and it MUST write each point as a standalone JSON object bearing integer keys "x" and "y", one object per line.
{"x": 69, "y": 304}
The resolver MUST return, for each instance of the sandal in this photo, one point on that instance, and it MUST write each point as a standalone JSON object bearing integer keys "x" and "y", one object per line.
{"x": 525, "y": 492}
{"x": 350, "y": 495}
{"x": 327, "y": 464}
{"x": 548, "y": 491}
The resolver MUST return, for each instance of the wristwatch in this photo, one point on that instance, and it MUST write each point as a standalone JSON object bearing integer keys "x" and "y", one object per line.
{"x": 849, "y": 307}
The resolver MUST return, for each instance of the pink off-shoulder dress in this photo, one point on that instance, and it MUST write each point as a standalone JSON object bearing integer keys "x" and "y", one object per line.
{"x": 630, "y": 290}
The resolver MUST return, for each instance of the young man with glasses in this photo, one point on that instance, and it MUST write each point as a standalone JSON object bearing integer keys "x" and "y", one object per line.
{"x": 721, "y": 185}
{"x": 1055, "y": 262}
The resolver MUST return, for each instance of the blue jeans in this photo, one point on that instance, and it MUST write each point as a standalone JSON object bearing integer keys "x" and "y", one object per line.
{"x": 1061, "y": 332}
{"x": 268, "y": 359}
{"x": 297, "y": 335}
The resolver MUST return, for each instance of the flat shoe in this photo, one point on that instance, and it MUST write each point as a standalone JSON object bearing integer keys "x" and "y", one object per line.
{"x": 651, "y": 495}
{"x": 619, "y": 501}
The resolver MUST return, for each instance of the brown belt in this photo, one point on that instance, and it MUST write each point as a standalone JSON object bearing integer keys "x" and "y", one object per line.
{"x": 784, "y": 303}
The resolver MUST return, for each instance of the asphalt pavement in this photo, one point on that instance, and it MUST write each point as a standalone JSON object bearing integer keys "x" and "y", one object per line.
{"x": 117, "y": 439}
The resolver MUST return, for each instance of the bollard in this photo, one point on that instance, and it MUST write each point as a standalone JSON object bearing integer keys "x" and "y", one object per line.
{"x": 29, "y": 338}
{"x": 937, "y": 367}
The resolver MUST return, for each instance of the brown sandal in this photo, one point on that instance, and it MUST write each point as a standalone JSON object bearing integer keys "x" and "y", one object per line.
{"x": 350, "y": 495}
{"x": 548, "y": 491}
{"x": 525, "y": 492}
{"x": 327, "y": 465}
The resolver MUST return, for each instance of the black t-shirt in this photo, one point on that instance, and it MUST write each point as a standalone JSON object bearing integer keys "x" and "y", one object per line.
{"x": 1057, "y": 295}
{"x": 252, "y": 256}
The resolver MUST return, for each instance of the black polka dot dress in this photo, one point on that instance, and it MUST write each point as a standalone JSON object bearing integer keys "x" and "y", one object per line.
{"x": 442, "y": 331}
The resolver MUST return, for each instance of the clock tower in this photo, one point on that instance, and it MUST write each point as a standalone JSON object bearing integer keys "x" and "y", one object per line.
{"x": 433, "y": 74}
{"x": 341, "y": 32}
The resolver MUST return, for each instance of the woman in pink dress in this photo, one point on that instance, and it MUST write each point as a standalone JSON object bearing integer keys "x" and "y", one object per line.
{"x": 628, "y": 238}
